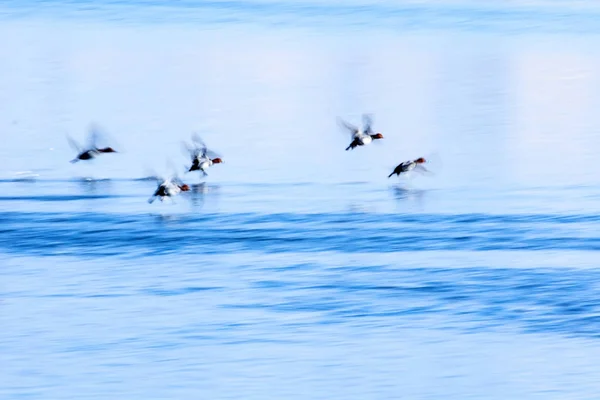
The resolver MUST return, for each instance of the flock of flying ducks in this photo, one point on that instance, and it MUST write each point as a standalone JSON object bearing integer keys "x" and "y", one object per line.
{"x": 202, "y": 158}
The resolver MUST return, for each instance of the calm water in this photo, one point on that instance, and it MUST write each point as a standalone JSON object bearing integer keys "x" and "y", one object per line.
{"x": 297, "y": 270}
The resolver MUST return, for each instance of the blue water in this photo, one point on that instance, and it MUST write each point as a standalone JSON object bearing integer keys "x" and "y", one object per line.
{"x": 296, "y": 269}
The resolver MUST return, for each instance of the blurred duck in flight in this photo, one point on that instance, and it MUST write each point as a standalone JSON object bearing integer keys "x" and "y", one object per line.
{"x": 91, "y": 149}
{"x": 202, "y": 157}
{"x": 360, "y": 136}
{"x": 168, "y": 188}
{"x": 407, "y": 166}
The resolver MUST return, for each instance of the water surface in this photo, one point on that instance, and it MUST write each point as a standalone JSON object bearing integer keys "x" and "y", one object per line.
{"x": 296, "y": 269}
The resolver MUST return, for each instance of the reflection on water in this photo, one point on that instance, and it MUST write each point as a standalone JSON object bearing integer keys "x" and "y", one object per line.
{"x": 24, "y": 177}
{"x": 91, "y": 186}
{"x": 200, "y": 191}
{"x": 166, "y": 217}
{"x": 403, "y": 193}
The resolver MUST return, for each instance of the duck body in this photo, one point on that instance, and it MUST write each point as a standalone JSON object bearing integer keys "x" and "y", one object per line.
{"x": 169, "y": 189}
{"x": 201, "y": 163}
{"x": 86, "y": 155}
{"x": 90, "y": 150}
{"x": 407, "y": 166}
{"x": 201, "y": 156}
{"x": 360, "y": 139}
{"x": 91, "y": 154}
{"x": 361, "y": 136}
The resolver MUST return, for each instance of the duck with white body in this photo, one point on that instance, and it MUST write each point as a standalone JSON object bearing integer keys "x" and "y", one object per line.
{"x": 202, "y": 157}
{"x": 361, "y": 136}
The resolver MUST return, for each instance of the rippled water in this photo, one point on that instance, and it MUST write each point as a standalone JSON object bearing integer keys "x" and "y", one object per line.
{"x": 296, "y": 269}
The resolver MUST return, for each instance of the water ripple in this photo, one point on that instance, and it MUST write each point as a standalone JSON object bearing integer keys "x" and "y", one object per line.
{"x": 95, "y": 234}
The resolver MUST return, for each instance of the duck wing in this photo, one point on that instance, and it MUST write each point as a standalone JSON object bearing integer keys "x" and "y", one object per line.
{"x": 152, "y": 175}
{"x": 421, "y": 169}
{"x": 211, "y": 154}
{"x": 94, "y": 135}
{"x": 201, "y": 149}
{"x": 74, "y": 144}
{"x": 192, "y": 151}
{"x": 367, "y": 124}
{"x": 351, "y": 128}
{"x": 197, "y": 140}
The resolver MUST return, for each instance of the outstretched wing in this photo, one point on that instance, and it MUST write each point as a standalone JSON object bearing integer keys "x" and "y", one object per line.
{"x": 201, "y": 149}
{"x": 211, "y": 154}
{"x": 74, "y": 145}
{"x": 421, "y": 169}
{"x": 351, "y": 128}
{"x": 94, "y": 134}
{"x": 172, "y": 175}
{"x": 190, "y": 150}
{"x": 152, "y": 175}
{"x": 197, "y": 140}
{"x": 367, "y": 124}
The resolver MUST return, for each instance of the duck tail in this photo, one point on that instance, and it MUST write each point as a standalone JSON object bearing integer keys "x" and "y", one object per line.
{"x": 151, "y": 199}
{"x": 353, "y": 144}
{"x": 73, "y": 161}
{"x": 390, "y": 175}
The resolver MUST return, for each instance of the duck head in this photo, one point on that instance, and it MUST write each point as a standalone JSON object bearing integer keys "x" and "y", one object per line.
{"x": 217, "y": 160}
{"x": 107, "y": 150}
{"x": 377, "y": 136}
